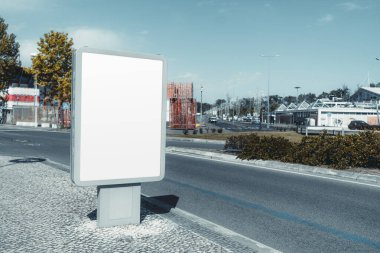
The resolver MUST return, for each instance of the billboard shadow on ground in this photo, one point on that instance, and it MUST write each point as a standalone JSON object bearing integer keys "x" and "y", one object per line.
{"x": 157, "y": 205}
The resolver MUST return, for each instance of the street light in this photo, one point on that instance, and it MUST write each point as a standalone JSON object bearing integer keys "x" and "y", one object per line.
{"x": 32, "y": 55}
{"x": 377, "y": 104}
{"x": 201, "y": 104}
{"x": 269, "y": 57}
{"x": 297, "y": 87}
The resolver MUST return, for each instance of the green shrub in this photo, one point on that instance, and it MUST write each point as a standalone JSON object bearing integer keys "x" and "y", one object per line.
{"x": 340, "y": 152}
{"x": 267, "y": 148}
{"x": 238, "y": 142}
{"x": 254, "y": 147}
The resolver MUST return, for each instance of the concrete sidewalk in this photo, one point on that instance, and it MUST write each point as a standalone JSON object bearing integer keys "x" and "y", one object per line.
{"x": 42, "y": 211}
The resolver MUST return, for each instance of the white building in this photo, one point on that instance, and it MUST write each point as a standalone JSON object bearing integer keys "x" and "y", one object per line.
{"x": 366, "y": 94}
{"x": 19, "y": 96}
{"x": 324, "y": 112}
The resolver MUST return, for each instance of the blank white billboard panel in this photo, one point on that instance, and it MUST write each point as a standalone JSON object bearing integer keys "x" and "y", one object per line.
{"x": 119, "y": 111}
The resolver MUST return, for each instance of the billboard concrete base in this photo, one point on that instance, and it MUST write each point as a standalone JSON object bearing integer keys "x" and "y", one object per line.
{"x": 118, "y": 205}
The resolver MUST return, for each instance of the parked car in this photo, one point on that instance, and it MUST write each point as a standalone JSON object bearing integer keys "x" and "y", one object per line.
{"x": 246, "y": 119}
{"x": 361, "y": 125}
{"x": 255, "y": 120}
{"x": 213, "y": 119}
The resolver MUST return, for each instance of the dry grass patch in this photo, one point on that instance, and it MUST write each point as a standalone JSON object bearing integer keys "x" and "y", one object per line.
{"x": 291, "y": 136}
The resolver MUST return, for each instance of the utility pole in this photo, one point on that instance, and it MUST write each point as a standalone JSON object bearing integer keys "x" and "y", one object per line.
{"x": 201, "y": 105}
{"x": 377, "y": 103}
{"x": 269, "y": 57}
{"x": 297, "y": 87}
{"x": 35, "y": 96}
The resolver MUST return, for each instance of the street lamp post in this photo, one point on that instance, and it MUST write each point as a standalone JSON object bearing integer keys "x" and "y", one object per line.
{"x": 269, "y": 57}
{"x": 297, "y": 87}
{"x": 35, "y": 95}
{"x": 377, "y": 104}
{"x": 201, "y": 104}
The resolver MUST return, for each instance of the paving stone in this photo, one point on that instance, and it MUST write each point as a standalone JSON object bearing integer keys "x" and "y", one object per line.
{"x": 42, "y": 211}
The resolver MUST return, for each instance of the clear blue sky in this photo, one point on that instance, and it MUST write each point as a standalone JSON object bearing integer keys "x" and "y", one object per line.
{"x": 323, "y": 44}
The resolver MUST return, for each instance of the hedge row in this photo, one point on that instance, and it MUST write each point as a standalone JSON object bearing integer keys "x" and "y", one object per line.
{"x": 340, "y": 152}
{"x": 201, "y": 131}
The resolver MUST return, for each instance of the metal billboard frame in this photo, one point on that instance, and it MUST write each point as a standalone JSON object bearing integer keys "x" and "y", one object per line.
{"x": 82, "y": 113}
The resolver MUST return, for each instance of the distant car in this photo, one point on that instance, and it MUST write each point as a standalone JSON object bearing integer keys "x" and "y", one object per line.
{"x": 359, "y": 125}
{"x": 256, "y": 120}
{"x": 246, "y": 119}
{"x": 213, "y": 119}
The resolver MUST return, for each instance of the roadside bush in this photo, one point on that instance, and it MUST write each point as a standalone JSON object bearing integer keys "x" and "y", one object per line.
{"x": 195, "y": 131}
{"x": 213, "y": 130}
{"x": 240, "y": 141}
{"x": 267, "y": 148}
{"x": 220, "y": 130}
{"x": 201, "y": 130}
{"x": 340, "y": 152}
{"x": 185, "y": 131}
{"x": 313, "y": 150}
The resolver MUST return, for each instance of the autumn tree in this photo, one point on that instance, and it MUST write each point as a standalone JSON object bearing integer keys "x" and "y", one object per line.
{"x": 343, "y": 93}
{"x": 309, "y": 97}
{"x": 205, "y": 107}
{"x": 53, "y": 65}
{"x": 219, "y": 102}
{"x": 374, "y": 85}
{"x": 323, "y": 95}
{"x": 9, "y": 57}
{"x": 289, "y": 99}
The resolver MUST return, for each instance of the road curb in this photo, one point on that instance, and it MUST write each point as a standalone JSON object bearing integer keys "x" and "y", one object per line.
{"x": 56, "y": 165}
{"x": 195, "y": 140}
{"x": 210, "y": 227}
{"x": 177, "y": 215}
{"x": 290, "y": 167}
{"x": 33, "y": 128}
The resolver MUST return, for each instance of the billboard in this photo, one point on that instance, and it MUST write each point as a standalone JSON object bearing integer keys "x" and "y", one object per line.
{"x": 118, "y": 117}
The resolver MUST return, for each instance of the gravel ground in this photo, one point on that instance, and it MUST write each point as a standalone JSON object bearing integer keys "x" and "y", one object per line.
{"x": 42, "y": 211}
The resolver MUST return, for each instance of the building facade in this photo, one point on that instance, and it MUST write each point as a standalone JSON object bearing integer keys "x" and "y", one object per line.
{"x": 367, "y": 94}
{"x": 328, "y": 113}
{"x": 182, "y": 107}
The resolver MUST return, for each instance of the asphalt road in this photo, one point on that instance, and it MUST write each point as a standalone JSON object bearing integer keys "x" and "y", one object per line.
{"x": 236, "y": 126}
{"x": 289, "y": 212}
{"x": 184, "y": 143}
{"x": 54, "y": 145}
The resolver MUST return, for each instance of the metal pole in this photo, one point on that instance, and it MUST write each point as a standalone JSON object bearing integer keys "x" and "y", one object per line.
{"x": 35, "y": 93}
{"x": 268, "y": 111}
{"x": 269, "y": 57}
{"x": 35, "y": 102}
{"x": 297, "y": 87}
{"x": 201, "y": 105}
{"x": 377, "y": 112}
{"x": 377, "y": 104}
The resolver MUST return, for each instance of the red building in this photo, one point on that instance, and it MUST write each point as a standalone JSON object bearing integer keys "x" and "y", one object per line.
{"x": 182, "y": 106}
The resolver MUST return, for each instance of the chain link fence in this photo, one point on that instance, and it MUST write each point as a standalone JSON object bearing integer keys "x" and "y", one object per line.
{"x": 44, "y": 116}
